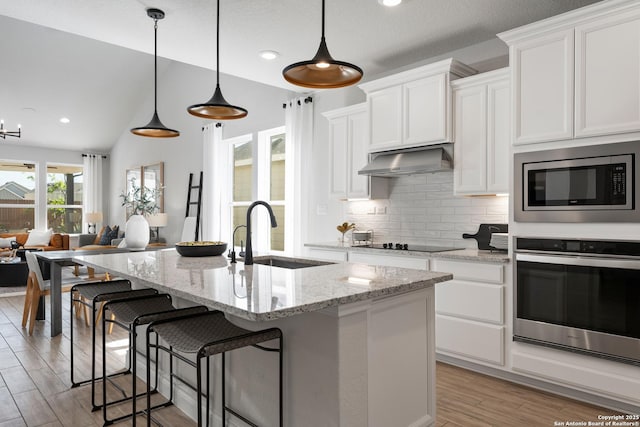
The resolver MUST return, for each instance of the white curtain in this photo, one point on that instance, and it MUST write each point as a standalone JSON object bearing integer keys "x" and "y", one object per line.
{"x": 215, "y": 201}
{"x": 92, "y": 187}
{"x": 299, "y": 128}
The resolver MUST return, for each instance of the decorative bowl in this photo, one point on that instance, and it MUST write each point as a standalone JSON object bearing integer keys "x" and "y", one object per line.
{"x": 201, "y": 248}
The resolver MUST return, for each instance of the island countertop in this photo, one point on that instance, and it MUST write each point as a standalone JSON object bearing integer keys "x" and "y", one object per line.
{"x": 260, "y": 292}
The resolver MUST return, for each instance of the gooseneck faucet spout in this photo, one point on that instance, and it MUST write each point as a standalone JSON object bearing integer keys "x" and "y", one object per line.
{"x": 248, "y": 257}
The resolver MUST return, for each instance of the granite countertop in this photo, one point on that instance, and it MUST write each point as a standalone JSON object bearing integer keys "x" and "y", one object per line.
{"x": 459, "y": 254}
{"x": 259, "y": 292}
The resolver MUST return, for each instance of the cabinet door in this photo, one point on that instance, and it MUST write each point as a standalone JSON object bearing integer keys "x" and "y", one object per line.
{"x": 543, "y": 88}
{"x": 358, "y": 184}
{"x": 338, "y": 141}
{"x": 385, "y": 108}
{"x": 470, "y": 148}
{"x": 425, "y": 110}
{"x": 498, "y": 137}
{"x": 607, "y": 70}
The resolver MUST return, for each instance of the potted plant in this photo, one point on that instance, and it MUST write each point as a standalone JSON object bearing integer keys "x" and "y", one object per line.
{"x": 139, "y": 201}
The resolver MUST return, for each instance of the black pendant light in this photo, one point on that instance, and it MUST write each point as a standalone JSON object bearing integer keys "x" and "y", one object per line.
{"x": 217, "y": 107}
{"x": 322, "y": 72}
{"x": 155, "y": 128}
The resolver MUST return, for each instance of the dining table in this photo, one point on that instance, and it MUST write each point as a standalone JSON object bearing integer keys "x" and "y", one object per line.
{"x": 56, "y": 260}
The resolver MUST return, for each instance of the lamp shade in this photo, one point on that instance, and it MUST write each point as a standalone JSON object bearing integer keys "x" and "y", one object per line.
{"x": 93, "y": 217}
{"x": 158, "y": 220}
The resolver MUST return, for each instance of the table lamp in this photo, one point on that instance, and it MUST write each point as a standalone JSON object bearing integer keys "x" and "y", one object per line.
{"x": 156, "y": 221}
{"x": 93, "y": 218}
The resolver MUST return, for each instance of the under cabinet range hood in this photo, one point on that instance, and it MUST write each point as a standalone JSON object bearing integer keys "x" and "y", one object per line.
{"x": 409, "y": 162}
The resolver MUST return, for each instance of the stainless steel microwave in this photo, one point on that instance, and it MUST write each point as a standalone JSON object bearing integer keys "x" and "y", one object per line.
{"x": 597, "y": 183}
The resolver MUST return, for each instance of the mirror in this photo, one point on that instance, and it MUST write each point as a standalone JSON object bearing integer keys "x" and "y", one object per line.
{"x": 153, "y": 179}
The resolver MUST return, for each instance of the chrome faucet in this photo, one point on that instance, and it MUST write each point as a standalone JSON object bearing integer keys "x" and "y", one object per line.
{"x": 248, "y": 257}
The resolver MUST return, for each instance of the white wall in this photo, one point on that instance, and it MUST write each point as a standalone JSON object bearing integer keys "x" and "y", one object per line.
{"x": 181, "y": 85}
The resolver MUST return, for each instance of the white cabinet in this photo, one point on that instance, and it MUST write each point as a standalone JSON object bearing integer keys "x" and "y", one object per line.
{"x": 576, "y": 75}
{"x": 326, "y": 254}
{"x": 402, "y": 261}
{"x": 482, "y": 133}
{"x": 607, "y": 70}
{"x": 348, "y": 154}
{"x": 470, "y": 312}
{"x": 412, "y": 108}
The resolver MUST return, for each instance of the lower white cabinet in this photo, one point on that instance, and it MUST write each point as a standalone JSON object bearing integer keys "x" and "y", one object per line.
{"x": 389, "y": 260}
{"x": 326, "y": 254}
{"x": 470, "y": 312}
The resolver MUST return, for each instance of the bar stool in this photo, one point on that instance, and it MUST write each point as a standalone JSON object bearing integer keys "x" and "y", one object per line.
{"x": 93, "y": 295}
{"x": 205, "y": 335}
{"x": 129, "y": 314}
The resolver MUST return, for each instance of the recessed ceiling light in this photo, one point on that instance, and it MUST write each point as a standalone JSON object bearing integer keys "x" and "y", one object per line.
{"x": 64, "y": 120}
{"x": 269, "y": 54}
{"x": 389, "y": 3}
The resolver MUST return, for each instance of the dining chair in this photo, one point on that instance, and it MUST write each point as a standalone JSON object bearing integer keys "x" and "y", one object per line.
{"x": 38, "y": 287}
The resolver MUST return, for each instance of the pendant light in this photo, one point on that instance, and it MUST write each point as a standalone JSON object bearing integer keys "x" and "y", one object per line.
{"x": 322, "y": 72}
{"x": 217, "y": 107}
{"x": 155, "y": 128}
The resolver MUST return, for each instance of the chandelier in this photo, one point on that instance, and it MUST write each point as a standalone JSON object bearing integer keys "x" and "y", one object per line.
{"x": 5, "y": 133}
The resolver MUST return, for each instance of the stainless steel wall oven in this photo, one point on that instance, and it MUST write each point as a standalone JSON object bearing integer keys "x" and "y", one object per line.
{"x": 579, "y": 295}
{"x": 596, "y": 183}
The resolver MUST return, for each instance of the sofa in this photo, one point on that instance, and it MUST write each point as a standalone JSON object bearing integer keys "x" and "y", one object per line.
{"x": 96, "y": 241}
{"x": 58, "y": 242}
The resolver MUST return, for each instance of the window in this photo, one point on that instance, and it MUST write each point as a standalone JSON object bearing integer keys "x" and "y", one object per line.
{"x": 17, "y": 197}
{"x": 64, "y": 198}
{"x": 25, "y": 204}
{"x": 259, "y": 173}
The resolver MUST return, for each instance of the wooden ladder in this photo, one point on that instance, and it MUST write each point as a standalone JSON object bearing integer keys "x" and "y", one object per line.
{"x": 197, "y": 202}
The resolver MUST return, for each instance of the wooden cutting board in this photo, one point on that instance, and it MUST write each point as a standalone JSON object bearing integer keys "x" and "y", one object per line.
{"x": 483, "y": 236}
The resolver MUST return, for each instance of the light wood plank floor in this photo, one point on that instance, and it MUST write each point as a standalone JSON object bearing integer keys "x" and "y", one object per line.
{"x": 35, "y": 386}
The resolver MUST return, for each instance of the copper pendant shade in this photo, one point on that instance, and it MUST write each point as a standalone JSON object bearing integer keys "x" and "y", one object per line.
{"x": 155, "y": 128}
{"x": 322, "y": 72}
{"x": 217, "y": 108}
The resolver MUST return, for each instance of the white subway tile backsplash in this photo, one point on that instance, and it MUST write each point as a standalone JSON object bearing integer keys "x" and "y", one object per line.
{"x": 422, "y": 209}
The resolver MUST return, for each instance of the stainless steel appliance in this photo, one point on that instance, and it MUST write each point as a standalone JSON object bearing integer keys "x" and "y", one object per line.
{"x": 580, "y": 295}
{"x": 598, "y": 183}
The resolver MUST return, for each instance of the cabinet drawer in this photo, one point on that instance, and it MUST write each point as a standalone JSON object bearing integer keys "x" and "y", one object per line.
{"x": 470, "y": 339}
{"x": 389, "y": 261}
{"x": 476, "y": 301}
{"x": 490, "y": 273}
{"x": 327, "y": 254}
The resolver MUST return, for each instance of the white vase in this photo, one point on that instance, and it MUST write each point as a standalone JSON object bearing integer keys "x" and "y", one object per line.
{"x": 136, "y": 233}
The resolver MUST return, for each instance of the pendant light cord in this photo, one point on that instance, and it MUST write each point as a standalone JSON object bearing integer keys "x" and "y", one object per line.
{"x": 218, "y": 45}
{"x": 323, "y": 19}
{"x": 155, "y": 65}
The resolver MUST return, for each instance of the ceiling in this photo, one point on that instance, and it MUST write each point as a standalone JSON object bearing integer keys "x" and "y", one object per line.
{"x": 47, "y": 74}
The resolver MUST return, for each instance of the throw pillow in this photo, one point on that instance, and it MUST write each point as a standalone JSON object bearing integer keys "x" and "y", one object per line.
{"x": 114, "y": 233}
{"x": 39, "y": 238}
{"x": 104, "y": 239}
{"x": 6, "y": 242}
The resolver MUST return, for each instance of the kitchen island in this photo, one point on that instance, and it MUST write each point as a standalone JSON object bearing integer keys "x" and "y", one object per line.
{"x": 358, "y": 339}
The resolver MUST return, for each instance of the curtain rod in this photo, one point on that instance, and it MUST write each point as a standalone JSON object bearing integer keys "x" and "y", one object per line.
{"x": 94, "y": 155}
{"x": 307, "y": 100}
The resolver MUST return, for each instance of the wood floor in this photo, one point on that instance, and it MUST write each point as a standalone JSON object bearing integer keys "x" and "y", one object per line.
{"x": 35, "y": 386}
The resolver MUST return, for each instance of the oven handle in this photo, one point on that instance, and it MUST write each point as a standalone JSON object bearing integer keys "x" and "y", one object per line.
{"x": 629, "y": 264}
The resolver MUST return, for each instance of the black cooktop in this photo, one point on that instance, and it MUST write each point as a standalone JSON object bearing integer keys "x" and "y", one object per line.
{"x": 410, "y": 247}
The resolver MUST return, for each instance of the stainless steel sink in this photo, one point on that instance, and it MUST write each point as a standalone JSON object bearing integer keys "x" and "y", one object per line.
{"x": 285, "y": 262}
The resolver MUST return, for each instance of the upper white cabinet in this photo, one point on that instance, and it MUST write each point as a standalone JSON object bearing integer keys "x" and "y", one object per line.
{"x": 482, "y": 133}
{"x": 348, "y": 154}
{"x": 412, "y": 108}
{"x": 576, "y": 75}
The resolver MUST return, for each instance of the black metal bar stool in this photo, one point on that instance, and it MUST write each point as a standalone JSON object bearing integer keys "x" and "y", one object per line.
{"x": 93, "y": 295}
{"x": 129, "y": 314}
{"x": 205, "y": 335}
